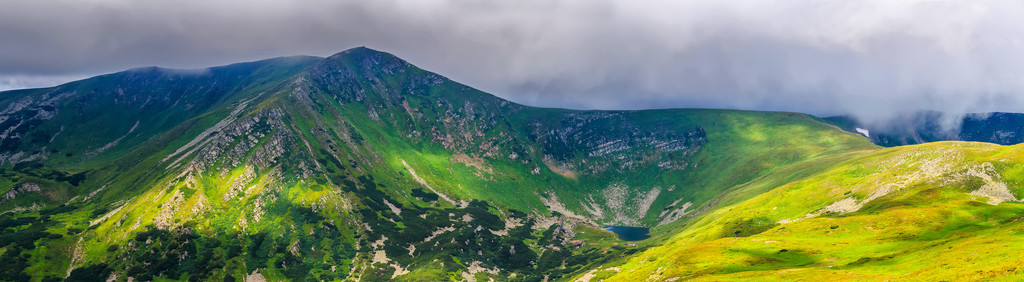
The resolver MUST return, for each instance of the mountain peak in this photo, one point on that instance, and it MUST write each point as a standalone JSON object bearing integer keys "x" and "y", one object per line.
{"x": 361, "y": 60}
{"x": 303, "y": 162}
{"x": 361, "y": 53}
{"x": 360, "y": 49}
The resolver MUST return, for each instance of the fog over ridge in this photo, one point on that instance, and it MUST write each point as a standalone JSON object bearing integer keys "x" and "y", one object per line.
{"x": 873, "y": 59}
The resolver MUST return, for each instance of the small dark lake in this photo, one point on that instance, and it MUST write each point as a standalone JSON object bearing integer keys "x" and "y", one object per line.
{"x": 629, "y": 233}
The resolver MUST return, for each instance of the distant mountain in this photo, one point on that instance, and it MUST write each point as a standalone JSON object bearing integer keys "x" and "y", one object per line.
{"x": 361, "y": 166}
{"x": 998, "y": 128}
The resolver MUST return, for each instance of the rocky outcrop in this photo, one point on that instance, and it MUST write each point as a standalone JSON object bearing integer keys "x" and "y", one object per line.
{"x": 27, "y": 187}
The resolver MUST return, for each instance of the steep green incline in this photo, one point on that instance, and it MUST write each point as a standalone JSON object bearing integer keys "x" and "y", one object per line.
{"x": 608, "y": 167}
{"x": 114, "y": 113}
{"x": 363, "y": 166}
{"x": 938, "y": 211}
{"x": 59, "y": 137}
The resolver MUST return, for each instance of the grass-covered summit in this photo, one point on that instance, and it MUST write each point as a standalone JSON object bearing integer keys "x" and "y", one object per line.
{"x": 362, "y": 166}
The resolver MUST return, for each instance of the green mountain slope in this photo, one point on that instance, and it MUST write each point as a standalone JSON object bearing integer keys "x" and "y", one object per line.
{"x": 59, "y": 137}
{"x": 938, "y": 211}
{"x": 363, "y": 166}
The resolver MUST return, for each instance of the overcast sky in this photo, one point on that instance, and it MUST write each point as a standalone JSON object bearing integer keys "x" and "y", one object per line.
{"x": 874, "y": 59}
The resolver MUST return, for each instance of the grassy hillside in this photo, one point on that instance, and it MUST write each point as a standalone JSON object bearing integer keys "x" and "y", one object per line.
{"x": 362, "y": 166}
{"x": 938, "y": 211}
{"x": 473, "y": 145}
{"x": 80, "y": 136}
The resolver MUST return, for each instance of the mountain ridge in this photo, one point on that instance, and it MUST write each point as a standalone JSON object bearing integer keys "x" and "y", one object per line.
{"x": 931, "y": 126}
{"x": 362, "y": 166}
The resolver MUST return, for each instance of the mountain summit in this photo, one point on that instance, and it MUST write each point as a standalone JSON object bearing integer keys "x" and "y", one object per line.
{"x": 362, "y": 166}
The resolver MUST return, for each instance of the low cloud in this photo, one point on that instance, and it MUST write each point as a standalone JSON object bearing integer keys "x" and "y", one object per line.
{"x": 11, "y": 82}
{"x": 873, "y": 59}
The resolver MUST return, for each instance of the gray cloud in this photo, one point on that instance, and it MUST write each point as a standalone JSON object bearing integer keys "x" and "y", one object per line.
{"x": 873, "y": 58}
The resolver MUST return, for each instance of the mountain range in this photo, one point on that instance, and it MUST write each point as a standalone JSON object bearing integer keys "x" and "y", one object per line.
{"x": 931, "y": 126}
{"x": 362, "y": 166}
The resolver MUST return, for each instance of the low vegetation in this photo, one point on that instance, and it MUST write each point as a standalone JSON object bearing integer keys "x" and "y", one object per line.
{"x": 361, "y": 166}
